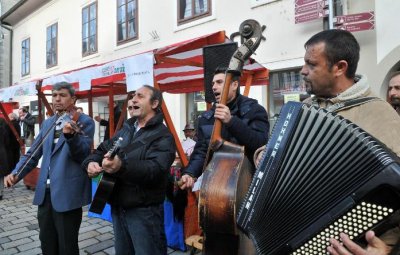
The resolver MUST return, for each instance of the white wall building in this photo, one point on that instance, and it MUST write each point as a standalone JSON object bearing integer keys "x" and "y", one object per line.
{"x": 81, "y": 38}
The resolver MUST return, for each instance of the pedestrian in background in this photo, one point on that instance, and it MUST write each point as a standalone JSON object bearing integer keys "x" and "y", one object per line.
{"x": 27, "y": 124}
{"x": 106, "y": 123}
{"x": 188, "y": 142}
{"x": 4, "y": 144}
{"x": 14, "y": 151}
{"x": 394, "y": 91}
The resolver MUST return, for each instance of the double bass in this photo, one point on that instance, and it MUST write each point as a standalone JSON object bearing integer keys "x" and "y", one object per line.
{"x": 228, "y": 174}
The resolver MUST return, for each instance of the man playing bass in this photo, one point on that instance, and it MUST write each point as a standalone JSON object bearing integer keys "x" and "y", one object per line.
{"x": 244, "y": 122}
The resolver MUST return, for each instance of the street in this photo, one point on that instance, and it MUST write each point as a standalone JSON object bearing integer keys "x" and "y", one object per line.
{"x": 19, "y": 230}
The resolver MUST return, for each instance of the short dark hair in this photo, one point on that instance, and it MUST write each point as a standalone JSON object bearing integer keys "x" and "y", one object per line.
{"x": 155, "y": 95}
{"x": 64, "y": 85}
{"x": 220, "y": 69}
{"x": 24, "y": 109}
{"x": 339, "y": 45}
{"x": 235, "y": 76}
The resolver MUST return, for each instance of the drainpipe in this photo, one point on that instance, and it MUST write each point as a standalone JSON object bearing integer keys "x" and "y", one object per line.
{"x": 9, "y": 28}
{"x": 330, "y": 15}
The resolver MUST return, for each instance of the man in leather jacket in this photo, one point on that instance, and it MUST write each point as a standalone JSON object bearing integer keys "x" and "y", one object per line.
{"x": 27, "y": 123}
{"x": 141, "y": 170}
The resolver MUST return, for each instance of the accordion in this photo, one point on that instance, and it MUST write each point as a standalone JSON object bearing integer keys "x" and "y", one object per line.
{"x": 320, "y": 175}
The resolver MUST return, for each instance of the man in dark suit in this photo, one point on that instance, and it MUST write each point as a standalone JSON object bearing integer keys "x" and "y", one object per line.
{"x": 106, "y": 123}
{"x": 27, "y": 123}
{"x": 14, "y": 149}
{"x": 4, "y": 143}
{"x": 63, "y": 187}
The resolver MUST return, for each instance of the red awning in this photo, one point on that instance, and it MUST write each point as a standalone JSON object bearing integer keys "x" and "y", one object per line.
{"x": 178, "y": 69}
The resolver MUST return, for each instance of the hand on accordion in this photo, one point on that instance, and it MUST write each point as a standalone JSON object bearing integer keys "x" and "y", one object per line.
{"x": 375, "y": 246}
{"x": 258, "y": 154}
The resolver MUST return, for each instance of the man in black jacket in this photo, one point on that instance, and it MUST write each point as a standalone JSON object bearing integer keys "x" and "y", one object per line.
{"x": 106, "y": 123}
{"x": 27, "y": 123}
{"x": 141, "y": 170}
{"x": 5, "y": 134}
{"x": 244, "y": 122}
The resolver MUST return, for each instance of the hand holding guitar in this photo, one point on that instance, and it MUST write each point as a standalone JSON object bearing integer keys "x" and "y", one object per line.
{"x": 111, "y": 164}
{"x": 94, "y": 169}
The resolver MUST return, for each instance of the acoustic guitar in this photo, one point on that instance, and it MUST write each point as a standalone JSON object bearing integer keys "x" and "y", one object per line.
{"x": 106, "y": 184}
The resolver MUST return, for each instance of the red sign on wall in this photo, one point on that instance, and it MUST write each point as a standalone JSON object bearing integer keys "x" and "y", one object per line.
{"x": 356, "y": 22}
{"x": 355, "y": 27}
{"x": 307, "y": 10}
{"x": 316, "y": 6}
{"x": 358, "y": 17}
{"x": 303, "y": 2}
{"x": 310, "y": 16}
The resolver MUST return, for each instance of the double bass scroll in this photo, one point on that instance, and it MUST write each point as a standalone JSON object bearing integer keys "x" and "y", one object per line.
{"x": 228, "y": 174}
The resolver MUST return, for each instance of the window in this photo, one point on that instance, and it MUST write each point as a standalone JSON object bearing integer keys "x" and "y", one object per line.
{"x": 196, "y": 106}
{"x": 285, "y": 86}
{"x": 192, "y": 9}
{"x": 51, "y": 46}
{"x": 89, "y": 29}
{"x": 127, "y": 22}
{"x": 25, "y": 57}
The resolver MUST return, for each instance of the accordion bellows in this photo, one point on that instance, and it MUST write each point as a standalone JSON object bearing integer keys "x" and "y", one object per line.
{"x": 320, "y": 175}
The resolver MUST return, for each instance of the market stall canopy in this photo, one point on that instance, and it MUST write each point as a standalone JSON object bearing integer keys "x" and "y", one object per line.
{"x": 178, "y": 68}
{"x": 9, "y": 94}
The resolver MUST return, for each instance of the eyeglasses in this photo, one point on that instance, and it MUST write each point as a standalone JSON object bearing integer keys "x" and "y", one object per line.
{"x": 130, "y": 107}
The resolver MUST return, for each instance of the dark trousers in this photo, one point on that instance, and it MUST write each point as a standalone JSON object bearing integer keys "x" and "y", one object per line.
{"x": 139, "y": 230}
{"x": 58, "y": 230}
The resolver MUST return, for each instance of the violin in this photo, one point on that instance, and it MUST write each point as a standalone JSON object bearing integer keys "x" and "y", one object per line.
{"x": 70, "y": 116}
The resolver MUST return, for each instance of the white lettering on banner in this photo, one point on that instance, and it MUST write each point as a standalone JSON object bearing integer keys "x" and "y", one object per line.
{"x": 25, "y": 89}
{"x": 139, "y": 71}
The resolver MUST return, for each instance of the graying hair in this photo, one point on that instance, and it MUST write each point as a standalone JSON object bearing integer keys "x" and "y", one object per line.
{"x": 64, "y": 85}
{"x": 14, "y": 115}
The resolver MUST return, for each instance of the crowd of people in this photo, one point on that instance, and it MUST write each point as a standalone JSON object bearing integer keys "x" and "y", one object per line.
{"x": 141, "y": 166}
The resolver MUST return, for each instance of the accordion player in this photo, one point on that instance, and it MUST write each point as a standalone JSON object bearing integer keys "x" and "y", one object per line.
{"x": 320, "y": 175}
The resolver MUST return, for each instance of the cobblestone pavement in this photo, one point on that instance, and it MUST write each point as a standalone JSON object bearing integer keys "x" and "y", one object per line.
{"x": 19, "y": 230}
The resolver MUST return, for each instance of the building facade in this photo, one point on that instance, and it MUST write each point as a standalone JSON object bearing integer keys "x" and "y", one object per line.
{"x": 5, "y": 45}
{"x": 52, "y": 37}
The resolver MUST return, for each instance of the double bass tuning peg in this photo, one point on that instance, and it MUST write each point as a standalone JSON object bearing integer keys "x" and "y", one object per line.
{"x": 247, "y": 29}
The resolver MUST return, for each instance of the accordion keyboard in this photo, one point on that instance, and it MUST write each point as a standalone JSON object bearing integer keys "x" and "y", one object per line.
{"x": 320, "y": 175}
